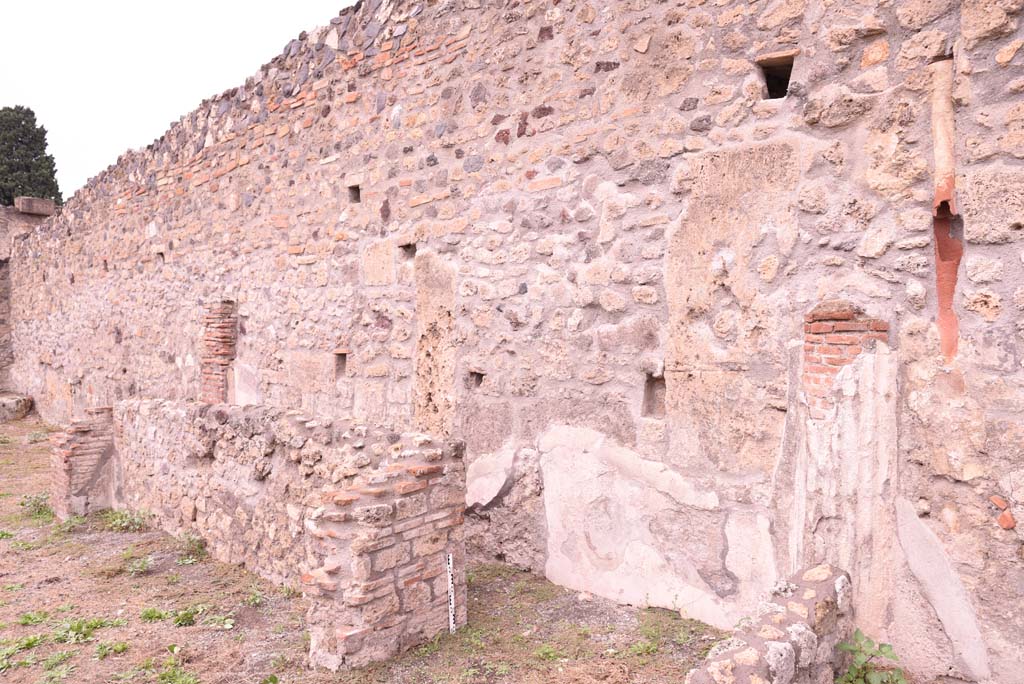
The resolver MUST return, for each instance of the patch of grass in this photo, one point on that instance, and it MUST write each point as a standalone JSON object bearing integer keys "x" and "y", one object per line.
{"x": 57, "y": 675}
{"x": 105, "y": 649}
{"x": 69, "y": 525}
{"x": 429, "y": 648}
{"x": 13, "y": 587}
{"x": 57, "y": 659}
{"x": 290, "y": 592}
{"x": 139, "y": 566}
{"x": 191, "y": 549}
{"x": 644, "y": 648}
{"x": 81, "y": 630}
{"x": 186, "y": 617}
{"x": 4, "y": 534}
{"x": 19, "y": 545}
{"x": 33, "y": 617}
{"x": 10, "y": 648}
{"x": 36, "y": 507}
{"x": 548, "y": 652}
{"x": 173, "y": 671}
{"x": 472, "y": 638}
{"x": 503, "y": 669}
{"x": 153, "y": 615}
{"x": 5, "y": 440}
{"x": 536, "y": 590}
{"x": 255, "y": 597}
{"x": 124, "y": 521}
{"x": 36, "y": 437}
{"x": 485, "y": 574}
{"x": 221, "y": 621}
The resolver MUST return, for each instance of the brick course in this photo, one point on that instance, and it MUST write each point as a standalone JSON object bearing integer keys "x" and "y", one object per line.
{"x": 835, "y": 333}
{"x": 362, "y": 519}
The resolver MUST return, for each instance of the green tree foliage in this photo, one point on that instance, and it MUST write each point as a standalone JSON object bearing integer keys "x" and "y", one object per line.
{"x": 25, "y": 167}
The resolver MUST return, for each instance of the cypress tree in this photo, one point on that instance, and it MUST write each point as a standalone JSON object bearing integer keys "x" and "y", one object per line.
{"x": 25, "y": 167}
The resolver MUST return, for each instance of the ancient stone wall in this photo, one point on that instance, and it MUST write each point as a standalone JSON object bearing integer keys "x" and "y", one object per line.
{"x": 584, "y": 238}
{"x": 361, "y": 518}
{"x": 15, "y": 223}
{"x": 82, "y": 466}
{"x": 791, "y": 639}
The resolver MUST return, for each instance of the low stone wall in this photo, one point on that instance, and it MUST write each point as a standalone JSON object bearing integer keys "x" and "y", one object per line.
{"x": 14, "y": 406}
{"x": 82, "y": 467}
{"x": 364, "y": 519}
{"x": 792, "y": 639}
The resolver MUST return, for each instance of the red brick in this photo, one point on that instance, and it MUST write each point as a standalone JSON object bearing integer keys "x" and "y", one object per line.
{"x": 423, "y": 470}
{"x": 825, "y": 370}
{"x": 1006, "y": 520}
{"x": 409, "y": 487}
{"x": 842, "y": 339}
{"x": 851, "y": 326}
{"x": 999, "y": 502}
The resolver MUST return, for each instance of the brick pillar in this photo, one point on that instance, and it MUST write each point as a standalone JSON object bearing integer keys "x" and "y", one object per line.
{"x": 835, "y": 332}
{"x": 218, "y": 351}
{"x": 82, "y": 480}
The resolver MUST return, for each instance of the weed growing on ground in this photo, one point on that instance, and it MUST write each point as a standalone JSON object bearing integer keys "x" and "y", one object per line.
{"x": 124, "y": 521}
{"x": 36, "y": 437}
{"x": 57, "y": 659}
{"x": 429, "y": 648}
{"x": 191, "y": 549}
{"x": 19, "y": 545}
{"x": 221, "y": 621}
{"x": 547, "y": 652}
{"x": 153, "y": 615}
{"x": 139, "y": 566}
{"x": 5, "y": 440}
{"x": 36, "y": 507}
{"x": 644, "y": 648}
{"x": 106, "y": 648}
{"x": 13, "y": 587}
{"x": 4, "y": 534}
{"x": 187, "y": 616}
{"x": 69, "y": 525}
{"x": 173, "y": 672}
{"x": 57, "y": 675}
{"x": 10, "y": 648}
{"x": 81, "y": 630}
{"x": 255, "y": 597}
{"x": 35, "y": 617}
{"x": 865, "y": 666}
{"x": 472, "y": 638}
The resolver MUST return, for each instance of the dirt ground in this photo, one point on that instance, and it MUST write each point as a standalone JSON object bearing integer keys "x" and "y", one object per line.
{"x": 97, "y": 600}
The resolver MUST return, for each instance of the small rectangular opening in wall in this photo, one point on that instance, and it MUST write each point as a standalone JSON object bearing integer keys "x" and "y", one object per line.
{"x": 407, "y": 251}
{"x": 777, "y": 68}
{"x": 354, "y": 195}
{"x": 340, "y": 364}
{"x": 654, "y": 397}
{"x": 474, "y": 379}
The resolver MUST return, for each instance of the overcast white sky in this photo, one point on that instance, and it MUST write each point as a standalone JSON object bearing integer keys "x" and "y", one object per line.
{"x": 105, "y": 76}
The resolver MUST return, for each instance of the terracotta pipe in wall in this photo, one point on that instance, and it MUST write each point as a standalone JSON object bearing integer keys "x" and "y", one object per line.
{"x": 949, "y": 249}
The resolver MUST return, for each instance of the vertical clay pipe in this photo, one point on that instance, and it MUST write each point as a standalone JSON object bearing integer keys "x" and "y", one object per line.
{"x": 948, "y": 248}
